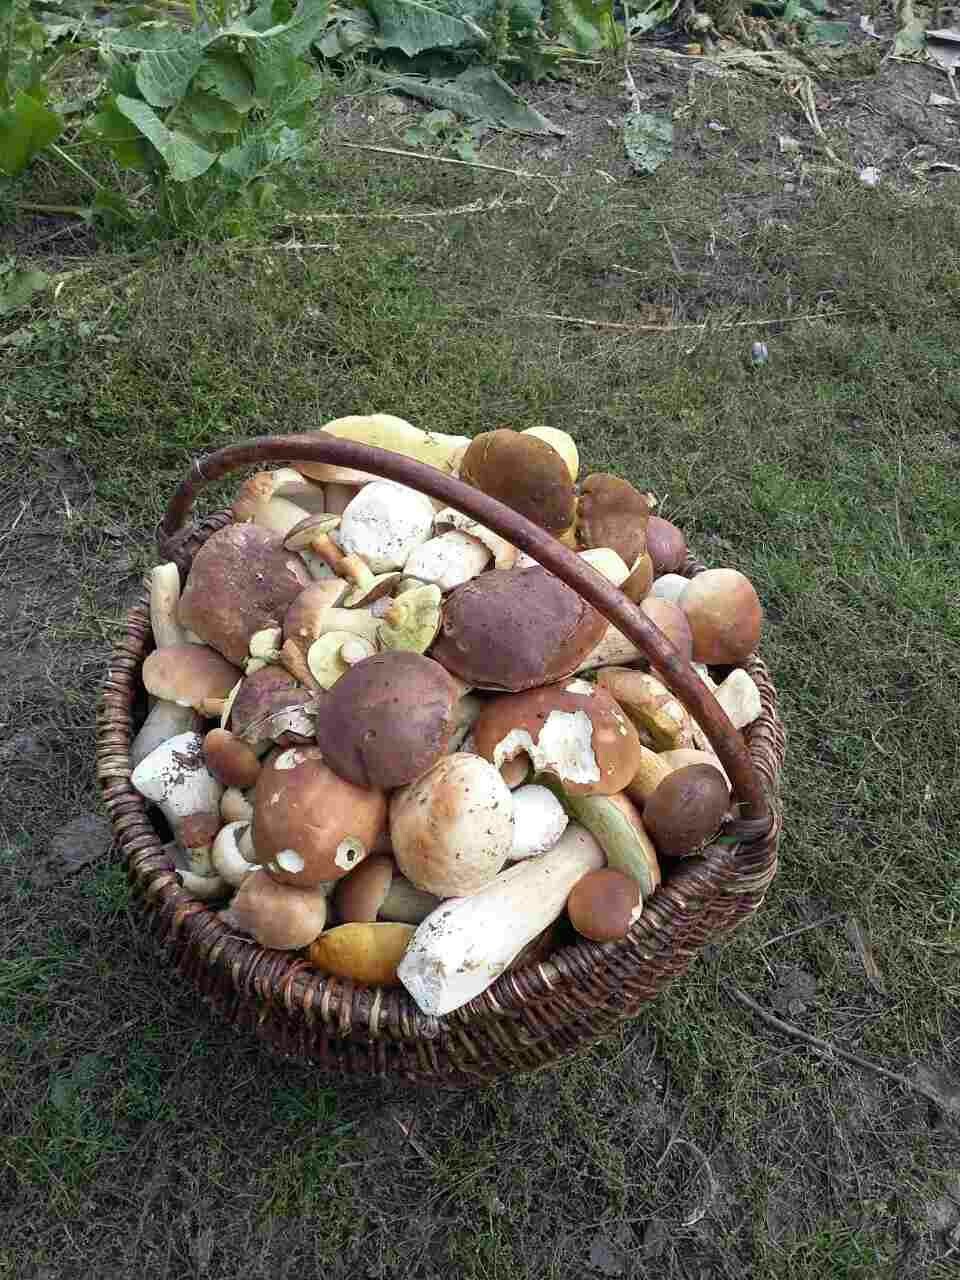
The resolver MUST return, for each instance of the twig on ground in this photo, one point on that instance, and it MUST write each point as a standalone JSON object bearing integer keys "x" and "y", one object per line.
{"x": 476, "y": 206}
{"x": 831, "y": 1051}
{"x": 802, "y": 90}
{"x": 670, "y": 328}
{"x": 289, "y": 246}
{"x": 701, "y": 1210}
{"x": 467, "y": 164}
{"x": 782, "y": 937}
{"x": 673, "y": 252}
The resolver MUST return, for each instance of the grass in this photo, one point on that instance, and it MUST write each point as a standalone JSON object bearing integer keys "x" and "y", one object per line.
{"x": 138, "y": 1135}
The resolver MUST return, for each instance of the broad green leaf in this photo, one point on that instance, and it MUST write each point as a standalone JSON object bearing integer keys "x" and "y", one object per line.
{"x": 588, "y": 23}
{"x": 275, "y": 56}
{"x": 26, "y": 127}
{"x": 297, "y": 35}
{"x": 658, "y": 12}
{"x": 18, "y": 287}
{"x": 146, "y": 39}
{"x": 413, "y": 26}
{"x": 477, "y": 93}
{"x": 224, "y": 72}
{"x": 164, "y": 75}
{"x": 290, "y": 103}
{"x": 256, "y": 155}
{"x": 346, "y": 33}
{"x": 648, "y": 139}
{"x": 185, "y": 159}
{"x": 210, "y": 114}
{"x": 122, "y": 139}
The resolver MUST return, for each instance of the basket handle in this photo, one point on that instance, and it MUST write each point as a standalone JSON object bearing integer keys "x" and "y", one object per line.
{"x": 547, "y": 550}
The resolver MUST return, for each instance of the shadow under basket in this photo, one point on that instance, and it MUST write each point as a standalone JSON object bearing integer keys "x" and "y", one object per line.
{"x": 531, "y": 1016}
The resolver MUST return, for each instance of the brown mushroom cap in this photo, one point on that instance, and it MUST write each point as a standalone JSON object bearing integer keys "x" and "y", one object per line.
{"x": 240, "y": 582}
{"x": 604, "y": 904}
{"x": 388, "y": 719}
{"x": 686, "y": 809}
{"x": 514, "y": 629}
{"x": 264, "y": 704}
{"x": 725, "y": 616}
{"x": 301, "y": 807}
{"x": 672, "y": 621}
{"x": 524, "y": 473}
{"x": 360, "y": 895}
{"x": 188, "y": 674}
{"x": 641, "y": 579}
{"x": 612, "y": 513}
{"x": 575, "y": 733}
{"x": 230, "y": 760}
{"x": 666, "y": 544}
{"x": 303, "y": 620}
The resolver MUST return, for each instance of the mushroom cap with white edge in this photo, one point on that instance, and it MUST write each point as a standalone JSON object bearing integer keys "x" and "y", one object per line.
{"x": 384, "y": 522}
{"x": 575, "y": 733}
{"x": 190, "y": 675}
{"x": 452, "y": 829}
{"x": 176, "y": 778}
{"x": 309, "y": 824}
{"x": 539, "y": 820}
{"x": 241, "y": 581}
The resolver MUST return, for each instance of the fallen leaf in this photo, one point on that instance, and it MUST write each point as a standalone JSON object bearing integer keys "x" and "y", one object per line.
{"x": 647, "y": 139}
{"x": 858, "y": 939}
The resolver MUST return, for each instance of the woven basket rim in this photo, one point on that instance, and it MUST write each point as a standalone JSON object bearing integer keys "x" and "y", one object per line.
{"x": 305, "y": 1014}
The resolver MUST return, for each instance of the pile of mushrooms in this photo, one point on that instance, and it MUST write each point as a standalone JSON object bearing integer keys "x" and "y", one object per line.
{"x": 380, "y": 736}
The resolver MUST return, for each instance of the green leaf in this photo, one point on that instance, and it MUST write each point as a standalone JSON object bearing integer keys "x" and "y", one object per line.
{"x": 148, "y": 39}
{"x": 588, "y": 23}
{"x": 164, "y": 75}
{"x": 658, "y": 12}
{"x": 413, "y": 26}
{"x": 210, "y": 114}
{"x": 26, "y": 127}
{"x": 121, "y": 138}
{"x": 275, "y": 56}
{"x": 256, "y": 155}
{"x": 831, "y": 32}
{"x": 477, "y": 93}
{"x": 224, "y": 72}
{"x": 18, "y": 287}
{"x": 348, "y": 32}
{"x": 185, "y": 159}
{"x": 648, "y": 139}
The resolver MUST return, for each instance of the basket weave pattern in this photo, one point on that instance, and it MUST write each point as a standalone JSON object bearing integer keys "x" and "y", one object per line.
{"x": 529, "y": 1017}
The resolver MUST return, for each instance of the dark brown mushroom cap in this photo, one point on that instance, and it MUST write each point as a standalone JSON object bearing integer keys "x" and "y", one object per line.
{"x": 269, "y": 692}
{"x": 666, "y": 544}
{"x": 240, "y": 582}
{"x": 604, "y": 904}
{"x": 524, "y": 473}
{"x": 686, "y": 809}
{"x": 231, "y": 760}
{"x": 612, "y": 513}
{"x": 513, "y": 629}
{"x": 388, "y": 719}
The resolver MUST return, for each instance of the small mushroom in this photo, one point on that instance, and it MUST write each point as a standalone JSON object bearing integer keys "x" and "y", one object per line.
{"x": 448, "y": 560}
{"x": 309, "y": 824}
{"x": 612, "y": 513}
{"x": 682, "y": 756}
{"x": 191, "y": 675}
{"x": 176, "y": 778}
{"x": 230, "y": 759}
{"x": 226, "y": 856}
{"x": 326, "y": 660}
{"x": 666, "y": 545}
{"x": 504, "y": 553}
{"x": 660, "y": 718}
{"x": 164, "y": 605}
{"x": 388, "y": 720}
{"x": 277, "y": 500}
{"x": 725, "y": 616}
{"x": 384, "y": 523}
{"x": 575, "y": 733}
{"x": 515, "y": 629}
{"x": 604, "y": 904}
{"x": 452, "y": 829}
{"x": 686, "y": 809}
{"x": 651, "y": 771}
{"x": 204, "y": 884}
{"x": 376, "y": 891}
{"x": 365, "y": 953}
{"x": 412, "y": 620}
{"x": 269, "y": 706}
{"x": 368, "y": 586}
{"x": 312, "y": 536}
{"x": 523, "y": 472}
{"x": 241, "y": 581}
{"x": 539, "y": 820}
{"x": 277, "y": 915}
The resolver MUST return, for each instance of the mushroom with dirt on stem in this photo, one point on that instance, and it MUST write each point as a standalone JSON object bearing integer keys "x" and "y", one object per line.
{"x": 176, "y": 778}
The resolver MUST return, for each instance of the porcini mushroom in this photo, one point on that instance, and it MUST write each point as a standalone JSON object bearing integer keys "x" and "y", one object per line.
{"x": 666, "y": 545}
{"x": 539, "y": 820}
{"x": 309, "y": 824}
{"x": 165, "y": 604}
{"x": 412, "y": 619}
{"x": 448, "y": 560}
{"x": 176, "y": 778}
{"x": 271, "y": 705}
{"x": 504, "y": 553}
{"x": 383, "y": 524}
{"x": 384, "y": 431}
{"x": 670, "y": 586}
{"x": 277, "y": 915}
{"x": 576, "y": 733}
{"x": 452, "y": 829}
{"x": 659, "y": 716}
{"x": 515, "y": 629}
{"x": 388, "y": 719}
{"x": 604, "y": 904}
{"x": 164, "y": 720}
{"x": 367, "y": 953}
{"x": 686, "y": 809}
{"x": 617, "y": 824}
{"x": 523, "y": 472}
{"x": 725, "y": 616}
{"x": 376, "y": 891}
{"x": 230, "y": 759}
{"x": 226, "y": 856}
{"x": 241, "y": 581}
{"x": 612, "y": 513}
{"x": 562, "y": 441}
{"x": 191, "y": 675}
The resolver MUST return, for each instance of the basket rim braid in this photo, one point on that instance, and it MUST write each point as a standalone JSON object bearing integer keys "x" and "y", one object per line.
{"x": 531, "y": 1016}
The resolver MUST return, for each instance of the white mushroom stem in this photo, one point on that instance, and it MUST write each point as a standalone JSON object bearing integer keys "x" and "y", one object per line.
{"x": 539, "y": 820}
{"x": 165, "y": 720}
{"x": 228, "y": 861}
{"x": 740, "y": 698}
{"x": 614, "y": 650}
{"x": 164, "y": 603}
{"x": 465, "y": 944}
{"x": 175, "y": 777}
{"x": 235, "y": 806}
{"x": 504, "y": 553}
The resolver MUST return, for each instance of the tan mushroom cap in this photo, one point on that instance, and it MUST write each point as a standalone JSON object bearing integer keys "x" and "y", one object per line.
{"x": 523, "y": 472}
{"x": 575, "y": 733}
{"x": 190, "y": 675}
{"x": 360, "y": 895}
{"x": 241, "y": 581}
{"x": 612, "y": 513}
{"x": 303, "y": 809}
{"x": 388, "y": 719}
{"x": 604, "y": 904}
{"x": 514, "y": 629}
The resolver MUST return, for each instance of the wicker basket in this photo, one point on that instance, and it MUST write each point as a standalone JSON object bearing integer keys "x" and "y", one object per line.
{"x": 530, "y": 1017}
